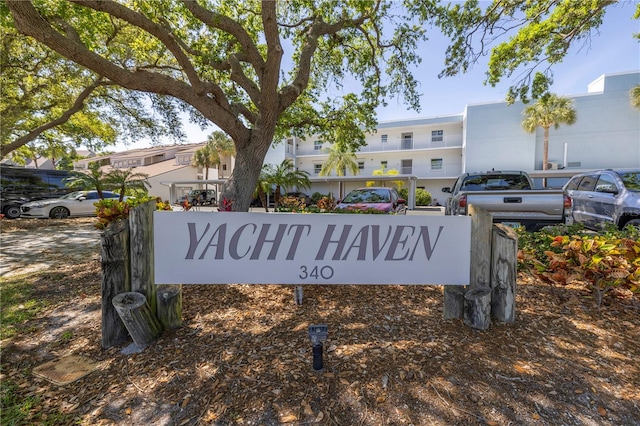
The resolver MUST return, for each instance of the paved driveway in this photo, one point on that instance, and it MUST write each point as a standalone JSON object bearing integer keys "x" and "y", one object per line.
{"x": 28, "y": 250}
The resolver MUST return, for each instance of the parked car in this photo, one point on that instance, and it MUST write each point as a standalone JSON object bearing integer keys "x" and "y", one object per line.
{"x": 604, "y": 196}
{"x": 19, "y": 185}
{"x": 301, "y": 196}
{"x": 78, "y": 203}
{"x": 379, "y": 198}
{"x": 199, "y": 197}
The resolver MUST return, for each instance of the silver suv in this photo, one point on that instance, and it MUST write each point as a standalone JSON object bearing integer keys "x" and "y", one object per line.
{"x": 604, "y": 196}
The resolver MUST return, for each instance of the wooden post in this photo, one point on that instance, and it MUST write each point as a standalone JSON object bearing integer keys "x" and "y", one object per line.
{"x": 141, "y": 234}
{"x": 477, "y": 308}
{"x": 114, "y": 250}
{"x": 133, "y": 309}
{"x": 481, "y": 227}
{"x": 169, "y": 305}
{"x": 504, "y": 264}
{"x": 298, "y": 294}
{"x": 453, "y": 301}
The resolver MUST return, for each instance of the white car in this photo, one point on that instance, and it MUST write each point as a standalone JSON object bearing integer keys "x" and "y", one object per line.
{"x": 78, "y": 203}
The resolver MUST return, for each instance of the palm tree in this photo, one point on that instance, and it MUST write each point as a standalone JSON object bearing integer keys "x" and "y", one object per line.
{"x": 285, "y": 175}
{"x": 206, "y": 157}
{"x": 264, "y": 186}
{"x": 123, "y": 180}
{"x": 94, "y": 179}
{"x": 635, "y": 97}
{"x": 340, "y": 160}
{"x": 223, "y": 146}
{"x": 549, "y": 110}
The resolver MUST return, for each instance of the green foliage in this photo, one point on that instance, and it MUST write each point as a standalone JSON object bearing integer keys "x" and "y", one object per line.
{"x": 263, "y": 71}
{"x": 16, "y": 408}
{"x": 563, "y": 254}
{"x": 18, "y": 306}
{"x": 55, "y": 105}
{"x": 341, "y": 159}
{"x": 110, "y": 210}
{"x": 281, "y": 177}
{"x": 423, "y": 197}
{"x": 316, "y": 196}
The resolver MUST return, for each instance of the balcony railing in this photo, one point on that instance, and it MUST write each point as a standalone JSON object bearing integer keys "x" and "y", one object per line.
{"x": 454, "y": 141}
{"x": 420, "y": 171}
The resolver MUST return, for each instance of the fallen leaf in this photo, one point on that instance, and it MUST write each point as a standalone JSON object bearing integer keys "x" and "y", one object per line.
{"x": 602, "y": 411}
{"x": 289, "y": 418}
{"x": 306, "y": 409}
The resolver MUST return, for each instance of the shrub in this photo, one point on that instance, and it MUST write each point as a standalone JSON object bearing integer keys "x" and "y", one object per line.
{"x": 423, "y": 197}
{"x": 604, "y": 260}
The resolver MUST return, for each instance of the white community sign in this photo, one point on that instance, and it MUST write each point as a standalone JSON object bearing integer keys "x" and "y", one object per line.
{"x": 293, "y": 248}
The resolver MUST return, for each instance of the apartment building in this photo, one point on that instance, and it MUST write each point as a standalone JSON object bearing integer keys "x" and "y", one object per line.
{"x": 435, "y": 151}
{"x": 490, "y": 136}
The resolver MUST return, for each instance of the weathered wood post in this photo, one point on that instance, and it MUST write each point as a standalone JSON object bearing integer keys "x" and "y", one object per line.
{"x": 477, "y": 308}
{"x": 169, "y": 305}
{"x": 114, "y": 250}
{"x": 133, "y": 309}
{"x": 453, "y": 301}
{"x": 141, "y": 235}
{"x": 504, "y": 272}
{"x": 480, "y": 271}
{"x": 477, "y": 311}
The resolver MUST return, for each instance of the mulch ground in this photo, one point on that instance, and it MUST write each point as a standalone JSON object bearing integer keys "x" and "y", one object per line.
{"x": 243, "y": 356}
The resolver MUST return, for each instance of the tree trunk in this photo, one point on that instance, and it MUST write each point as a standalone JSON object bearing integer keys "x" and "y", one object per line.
{"x": 241, "y": 185}
{"x": 133, "y": 309}
{"x": 504, "y": 264}
{"x": 141, "y": 234}
{"x": 114, "y": 250}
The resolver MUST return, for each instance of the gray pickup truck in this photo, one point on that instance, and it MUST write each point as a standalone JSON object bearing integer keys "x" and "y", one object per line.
{"x": 509, "y": 197}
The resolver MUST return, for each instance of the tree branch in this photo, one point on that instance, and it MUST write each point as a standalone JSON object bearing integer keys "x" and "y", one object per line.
{"x": 77, "y": 106}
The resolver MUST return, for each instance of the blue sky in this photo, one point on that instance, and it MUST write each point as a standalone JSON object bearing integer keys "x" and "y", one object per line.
{"x": 612, "y": 49}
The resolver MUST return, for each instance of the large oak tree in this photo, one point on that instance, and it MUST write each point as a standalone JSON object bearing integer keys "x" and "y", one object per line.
{"x": 260, "y": 70}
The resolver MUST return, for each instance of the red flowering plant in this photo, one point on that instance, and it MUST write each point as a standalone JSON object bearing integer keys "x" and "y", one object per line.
{"x": 226, "y": 205}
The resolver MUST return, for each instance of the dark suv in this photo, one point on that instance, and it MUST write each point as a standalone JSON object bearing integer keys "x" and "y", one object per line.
{"x": 19, "y": 185}
{"x": 604, "y": 196}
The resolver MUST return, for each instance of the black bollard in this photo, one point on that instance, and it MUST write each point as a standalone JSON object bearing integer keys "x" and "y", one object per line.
{"x": 317, "y": 357}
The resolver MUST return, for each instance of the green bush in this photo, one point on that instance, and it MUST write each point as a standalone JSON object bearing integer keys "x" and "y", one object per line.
{"x": 423, "y": 197}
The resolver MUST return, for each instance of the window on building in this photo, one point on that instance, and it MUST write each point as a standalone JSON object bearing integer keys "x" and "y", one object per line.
{"x": 406, "y": 167}
{"x": 317, "y": 145}
{"x": 360, "y": 165}
{"x": 407, "y": 141}
{"x": 224, "y": 167}
{"x": 383, "y": 138}
{"x": 317, "y": 168}
{"x": 383, "y": 164}
{"x": 437, "y": 135}
{"x": 436, "y": 164}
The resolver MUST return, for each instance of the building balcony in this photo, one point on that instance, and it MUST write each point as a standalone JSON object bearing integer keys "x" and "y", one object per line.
{"x": 420, "y": 171}
{"x": 417, "y": 143}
